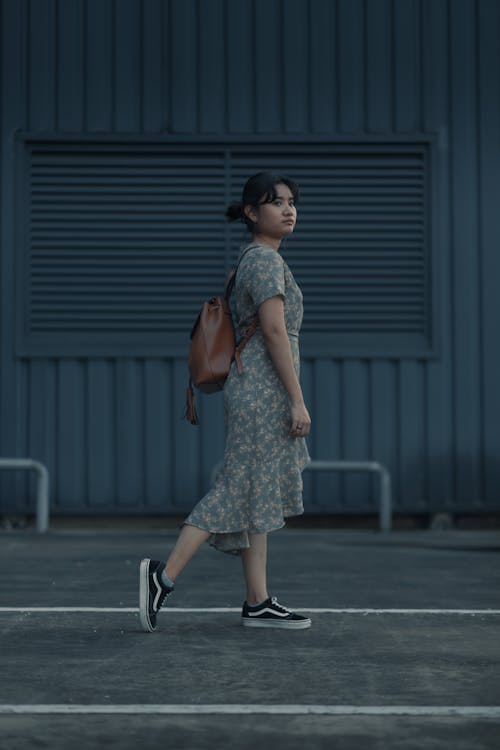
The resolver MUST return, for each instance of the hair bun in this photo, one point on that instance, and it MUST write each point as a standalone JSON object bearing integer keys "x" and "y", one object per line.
{"x": 234, "y": 211}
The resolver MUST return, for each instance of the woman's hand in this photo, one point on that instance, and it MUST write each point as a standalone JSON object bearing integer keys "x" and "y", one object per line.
{"x": 301, "y": 421}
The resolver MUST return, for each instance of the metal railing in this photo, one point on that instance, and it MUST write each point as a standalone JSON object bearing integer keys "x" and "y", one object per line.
{"x": 385, "y": 492}
{"x": 42, "y": 494}
{"x": 374, "y": 467}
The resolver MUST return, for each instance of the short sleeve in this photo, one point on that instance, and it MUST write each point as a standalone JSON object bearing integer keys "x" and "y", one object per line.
{"x": 262, "y": 275}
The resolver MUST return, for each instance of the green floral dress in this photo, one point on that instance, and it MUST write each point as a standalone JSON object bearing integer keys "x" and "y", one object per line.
{"x": 260, "y": 482}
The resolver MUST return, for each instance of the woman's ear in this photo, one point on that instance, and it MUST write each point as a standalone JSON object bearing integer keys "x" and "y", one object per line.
{"x": 251, "y": 213}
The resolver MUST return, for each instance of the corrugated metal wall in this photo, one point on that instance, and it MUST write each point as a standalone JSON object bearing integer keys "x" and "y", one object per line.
{"x": 110, "y": 429}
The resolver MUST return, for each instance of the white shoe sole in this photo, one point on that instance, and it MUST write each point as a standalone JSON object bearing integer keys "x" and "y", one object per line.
{"x": 282, "y": 624}
{"x": 144, "y": 596}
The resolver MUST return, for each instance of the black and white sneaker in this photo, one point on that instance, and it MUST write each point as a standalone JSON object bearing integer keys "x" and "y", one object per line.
{"x": 152, "y": 592}
{"x": 270, "y": 614}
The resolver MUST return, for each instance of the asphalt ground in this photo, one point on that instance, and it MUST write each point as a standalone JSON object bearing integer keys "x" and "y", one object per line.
{"x": 404, "y": 650}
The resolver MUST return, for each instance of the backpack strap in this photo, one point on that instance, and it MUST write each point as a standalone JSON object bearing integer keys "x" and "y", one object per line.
{"x": 231, "y": 277}
{"x": 243, "y": 342}
{"x": 230, "y": 282}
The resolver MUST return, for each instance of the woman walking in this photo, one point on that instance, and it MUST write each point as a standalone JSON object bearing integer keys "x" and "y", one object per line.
{"x": 266, "y": 419}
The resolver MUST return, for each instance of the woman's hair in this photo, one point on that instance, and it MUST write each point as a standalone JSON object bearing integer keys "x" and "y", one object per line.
{"x": 259, "y": 189}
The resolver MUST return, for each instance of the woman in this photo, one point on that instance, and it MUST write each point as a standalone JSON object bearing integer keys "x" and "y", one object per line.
{"x": 265, "y": 415}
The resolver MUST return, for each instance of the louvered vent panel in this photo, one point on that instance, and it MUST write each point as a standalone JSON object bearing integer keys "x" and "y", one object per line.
{"x": 359, "y": 250}
{"x": 122, "y": 242}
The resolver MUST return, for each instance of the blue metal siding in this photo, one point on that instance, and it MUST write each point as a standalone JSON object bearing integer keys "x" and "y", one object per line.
{"x": 488, "y": 192}
{"x": 110, "y": 428}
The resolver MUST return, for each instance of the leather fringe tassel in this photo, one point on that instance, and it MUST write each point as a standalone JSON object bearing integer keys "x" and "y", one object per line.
{"x": 191, "y": 414}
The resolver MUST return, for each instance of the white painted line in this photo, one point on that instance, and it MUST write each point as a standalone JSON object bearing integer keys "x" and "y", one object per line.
{"x": 487, "y": 712}
{"x": 394, "y": 611}
{"x": 226, "y": 610}
{"x": 370, "y": 611}
{"x": 69, "y": 610}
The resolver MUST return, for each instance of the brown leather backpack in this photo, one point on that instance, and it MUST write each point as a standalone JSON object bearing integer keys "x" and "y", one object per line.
{"x": 213, "y": 347}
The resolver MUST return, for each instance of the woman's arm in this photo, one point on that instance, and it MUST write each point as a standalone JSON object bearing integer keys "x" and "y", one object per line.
{"x": 272, "y": 324}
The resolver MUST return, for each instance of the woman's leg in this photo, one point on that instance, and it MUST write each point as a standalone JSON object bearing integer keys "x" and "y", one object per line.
{"x": 188, "y": 543}
{"x": 254, "y": 561}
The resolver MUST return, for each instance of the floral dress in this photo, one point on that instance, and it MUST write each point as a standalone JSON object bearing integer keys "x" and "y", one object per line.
{"x": 260, "y": 482}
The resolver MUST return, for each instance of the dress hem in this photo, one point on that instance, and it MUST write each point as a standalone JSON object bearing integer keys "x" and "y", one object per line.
{"x": 241, "y": 530}
{"x": 236, "y": 550}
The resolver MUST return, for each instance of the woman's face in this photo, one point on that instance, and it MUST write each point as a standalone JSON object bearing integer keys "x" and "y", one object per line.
{"x": 275, "y": 220}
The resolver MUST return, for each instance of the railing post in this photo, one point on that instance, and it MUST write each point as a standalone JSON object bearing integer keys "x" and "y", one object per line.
{"x": 42, "y": 505}
{"x": 385, "y": 512}
{"x": 42, "y": 488}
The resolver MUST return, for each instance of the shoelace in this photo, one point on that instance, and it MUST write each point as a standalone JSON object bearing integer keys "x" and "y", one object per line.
{"x": 276, "y": 604}
{"x": 163, "y": 596}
